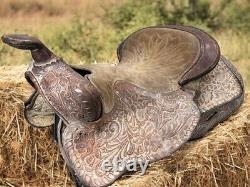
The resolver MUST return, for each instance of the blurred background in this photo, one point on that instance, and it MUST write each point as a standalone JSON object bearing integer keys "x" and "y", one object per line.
{"x": 85, "y": 31}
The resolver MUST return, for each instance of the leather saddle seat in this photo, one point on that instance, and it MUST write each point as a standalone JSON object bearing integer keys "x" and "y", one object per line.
{"x": 171, "y": 85}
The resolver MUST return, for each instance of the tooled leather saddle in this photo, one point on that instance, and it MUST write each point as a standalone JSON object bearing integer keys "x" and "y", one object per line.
{"x": 171, "y": 85}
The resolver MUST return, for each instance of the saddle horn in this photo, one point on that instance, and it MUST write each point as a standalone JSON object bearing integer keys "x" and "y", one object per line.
{"x": 40, "y": 53}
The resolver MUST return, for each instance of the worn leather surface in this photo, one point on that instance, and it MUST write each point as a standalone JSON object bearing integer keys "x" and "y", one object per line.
{"x": 169, "y": 86}
{"x": 208, "y": 54}
{"x": 219, "y": 94}
{"x": 142, "y": 125}
{"x": 227, "y": 86}
{"x": 156, "y": 59}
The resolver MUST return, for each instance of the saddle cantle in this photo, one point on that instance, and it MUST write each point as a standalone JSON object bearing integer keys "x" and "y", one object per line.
{"x": 171, "y": 85}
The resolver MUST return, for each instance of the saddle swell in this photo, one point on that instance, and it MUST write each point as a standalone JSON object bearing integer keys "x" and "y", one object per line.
{"x": 171, "y": 85}
{"x": 72, "y": 102}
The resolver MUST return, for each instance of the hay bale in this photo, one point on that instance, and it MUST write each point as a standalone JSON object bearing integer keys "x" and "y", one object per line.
{"x": 28, "y": 156}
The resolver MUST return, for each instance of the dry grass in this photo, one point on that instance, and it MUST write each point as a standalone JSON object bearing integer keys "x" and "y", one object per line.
{"x": 50, "y": 8}
{"x": 36, "y": 16}
{"x": 29, "y": 157}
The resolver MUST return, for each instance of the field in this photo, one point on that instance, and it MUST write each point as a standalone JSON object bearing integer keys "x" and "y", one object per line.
{"x": 83, "y": 31}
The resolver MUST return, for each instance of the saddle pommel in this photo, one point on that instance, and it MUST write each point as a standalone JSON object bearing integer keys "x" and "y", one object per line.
{"x": 40, "y": 53}
{"x": 52, "y": 79}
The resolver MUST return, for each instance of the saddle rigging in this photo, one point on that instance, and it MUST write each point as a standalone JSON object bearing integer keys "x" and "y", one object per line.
{"x": 171, "y": 85}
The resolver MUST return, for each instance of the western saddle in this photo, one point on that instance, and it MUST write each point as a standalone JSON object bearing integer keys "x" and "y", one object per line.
{"x": 171, "y": 85}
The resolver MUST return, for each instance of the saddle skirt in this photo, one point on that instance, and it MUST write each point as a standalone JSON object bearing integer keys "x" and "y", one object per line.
{"x": 171, "y": 85}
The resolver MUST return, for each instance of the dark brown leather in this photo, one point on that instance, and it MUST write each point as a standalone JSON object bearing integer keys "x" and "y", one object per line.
{"x": 39, "y": 52}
